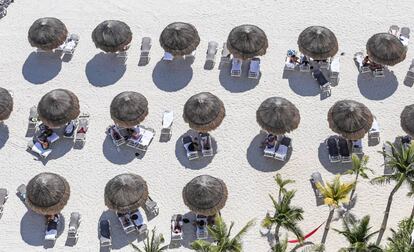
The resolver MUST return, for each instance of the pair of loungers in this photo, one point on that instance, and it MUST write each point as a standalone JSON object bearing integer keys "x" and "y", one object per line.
{"x": 77, "y": 128}
{"x": 278, "y": 150}
{"x": 254, "y": 69}
{"x": 290, "y": 65}
{"x": 144, "y": 57}
{"x": 52, "y": 228}
{"x": 36, "y": 147}
{"x": 69, "y": 46}
{"x": 133, "y": 222}
{"x": 403, "y": 34}
{"x": 191, "y": 146}
{"x": 378, "y": 72}
{"x": 339, "y": 149}
{"x": 141, "y": 139}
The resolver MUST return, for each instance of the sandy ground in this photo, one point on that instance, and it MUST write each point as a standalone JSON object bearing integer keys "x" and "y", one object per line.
{"x": 96, "y": 79}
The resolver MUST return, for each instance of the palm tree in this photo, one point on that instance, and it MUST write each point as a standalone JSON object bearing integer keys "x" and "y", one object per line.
{"x": 411, "y": 194}
{"x": 280, "y": 247}
{"x": 285, "y": 216}
{"x": 221, "y": 236}
{"x": 358, "y": 236}
{"x": 401, "y": 162}
{"x": 400, "y": 239}
{"x": 359, "y": 168}
{"x": 282, "y": 183}
{"x": 152, "y": 244}
{"x": 334, "y": 194}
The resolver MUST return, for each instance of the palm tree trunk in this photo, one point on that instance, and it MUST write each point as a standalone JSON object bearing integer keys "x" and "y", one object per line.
{"x": 354, "y": 189}
{"x": 412, "y": 214}
{"x": 387, "y": 212}
{"x": 327, "y": 225}
{"x": 277, "y": 233}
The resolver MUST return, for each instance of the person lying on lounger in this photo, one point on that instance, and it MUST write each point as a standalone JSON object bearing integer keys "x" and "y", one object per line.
{"x": 270, "y": 141}
{"x": 134, "y": 134}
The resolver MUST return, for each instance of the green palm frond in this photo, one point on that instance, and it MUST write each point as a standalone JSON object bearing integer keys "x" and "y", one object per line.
{"x": 152, "y": 243}
{"x": 280, "y": 247}
{"x": 201, "y": 246}
{"x": 336, "y": 192}
{"x": 358, "y": 235}
{"x": 400, "y": 239}
{"x": 282, "y": 183}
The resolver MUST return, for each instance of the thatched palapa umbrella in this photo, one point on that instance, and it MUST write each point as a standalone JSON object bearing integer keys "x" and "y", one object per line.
{"x": 179, "y": 38}
{"x": 386, "y": 49}
{"x": 205, "y": 195}
{"x": 407, "y": 120}
{"x": 204, "y": 112}
{"x": 126, "y": 192}
{"x": 350, "y": 119}
{"x": 247, "y": 41}
{"x": 6, "y": 104}
{"x": 278, "y": 115}
{"x": 112, "y": 36}
{"x": 47, "y": 193}
{"x": 318, "y": 42}
{"x": 58, "y": 107}
{"x": 129, "y": 108}
{"x": 47, "y": 33}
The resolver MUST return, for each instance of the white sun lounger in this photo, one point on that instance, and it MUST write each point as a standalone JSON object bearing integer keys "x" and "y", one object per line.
{"x": 51, "y": 231}
{"x": 3, "y": 198}
{"x": 282, "y": 150}
{"x": 225, "y": 54}
{"x": 75, "y": 219}
{"x": 146, "y": 45}
{"x": 139, "y": 223}
{"x": 324, "y": 64}
{"x": 387, "y": 149}
{"x": 33, "y": 118}
{"x": 70, "y": 129}
{"x": 269, "y": 151}
{"x": 359, "y": 58}
{"x": 126, "y": 223}
{"x": 405, "y": 35}
{"x": 374, "y": 132}
{"x": 201, "y": 231}
{"x": 177, "y": 227}
{"x": 116, "y": 136}
{"x": 151, "y": 207}
{"x": 168, "y": 56}
{"x": 315, "y": 179}
{"x": 70, "y": 45}
{"x": 304, "y": 63}
{"x": 105, "y": 238}
{"x": 357, "y": 147}
{"x": 254, "y": 71}
{"x": 83, "y": 126}
{"x": 236, "y": 65}
{"x": 3, "y": 11}
{"x": 21, "y": 192}
{"x": 379, "y": 73}
{"x": 289, "y": 65}
{"x": 206, "y": 145}
{"x": 187, "y": 141}
{"x": 167, "y": 121}
{"x": 142, "y": 143}
{"x": 335, "y": 68}
{"x": 38, "y": 148}
{"x": 394, "y": 29}
{"x": 410, "y": 73}
{"x": 211, "y": 52}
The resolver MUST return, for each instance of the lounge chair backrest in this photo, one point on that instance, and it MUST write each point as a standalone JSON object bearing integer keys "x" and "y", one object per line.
{"x": 74, "y": 220}
{"x": 343, "y": 147}
{"x": 317, "y": 178}
{"x": 286, "y": 141}
{"x": 332, "y": 146}
{"x": 405, "y": 31}
{"x": 187, "y": 139}
{"x": 51, "y": 225}
{"x": 146, "y": 44}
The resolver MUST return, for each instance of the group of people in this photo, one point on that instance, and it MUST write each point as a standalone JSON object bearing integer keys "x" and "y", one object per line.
{"x": 371, "y": 64}
{"x": 295, "y": 60}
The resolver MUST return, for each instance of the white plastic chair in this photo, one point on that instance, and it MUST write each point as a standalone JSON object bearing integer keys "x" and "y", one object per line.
{"x": 335, "y": 68}
{"x": 236, "y": 65}
{"x": 168, "y": 56}
{"x": 167, "y": 121}
{"x": 254, "y": 70}
{"x": 374, "y": 132}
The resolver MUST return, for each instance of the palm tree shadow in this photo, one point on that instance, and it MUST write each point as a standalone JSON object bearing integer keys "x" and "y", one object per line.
{"x": 4, "y": 135}
{"x": 258, "y": 161}
{"x": 302, "y": 83}
{"x": 237, "y": 84}
{"x": 171, "y": 76}
{"x": 377, "y": 88}
{"x": 333, "y": 168}
{"x": 40, "y": 68}
{"x": 195, "y": 164}
{"x": 104, "y": 69}
{"x": 33, "y": 226}
{"x": 120, "y": 155}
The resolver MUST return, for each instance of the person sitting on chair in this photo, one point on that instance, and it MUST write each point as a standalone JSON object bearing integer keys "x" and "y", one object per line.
{"x": 270, "y": 141}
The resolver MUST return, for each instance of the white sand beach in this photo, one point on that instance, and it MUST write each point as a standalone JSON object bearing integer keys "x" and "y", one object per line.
{"x": 96, "y": 78}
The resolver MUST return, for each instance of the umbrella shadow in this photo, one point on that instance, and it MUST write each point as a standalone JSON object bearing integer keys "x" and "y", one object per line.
{"x": 237, "y": 84}
{"x": 258, "y": 161}
{"x": 4, "y": 135}
{"x": 377, "y": 88}
{"x": 40, "y": 68}
{"x": 117, "y": 155}
{"x": 302, "y": 83}
{"x": 189, "y": 230}
{"x": 119, "y": 238}
{"x": 334, "y": 168}
{"x": 195, "y": 164}
{"x": 33, "y": 226}
{"x": 171, "y": 76}
{"x": 104, "y": 69}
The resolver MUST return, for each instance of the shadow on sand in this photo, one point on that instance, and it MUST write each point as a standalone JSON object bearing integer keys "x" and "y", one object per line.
{"x": 195, "y": 164}
{"x": 237, "y": 84}
{"x": 33, "y": 226}
{"x": 41, "y": 67}
{"x": 104, "y": 69}
{"x": 171, "y": 76}
{"x": 120, "y": 155}
{"x": 4, "y": 135}
{"x": 377, "y": 88}
{"x": 258, "y": 161}
{"x": 302, "y": 83}
{"x": 334, "y": 168}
